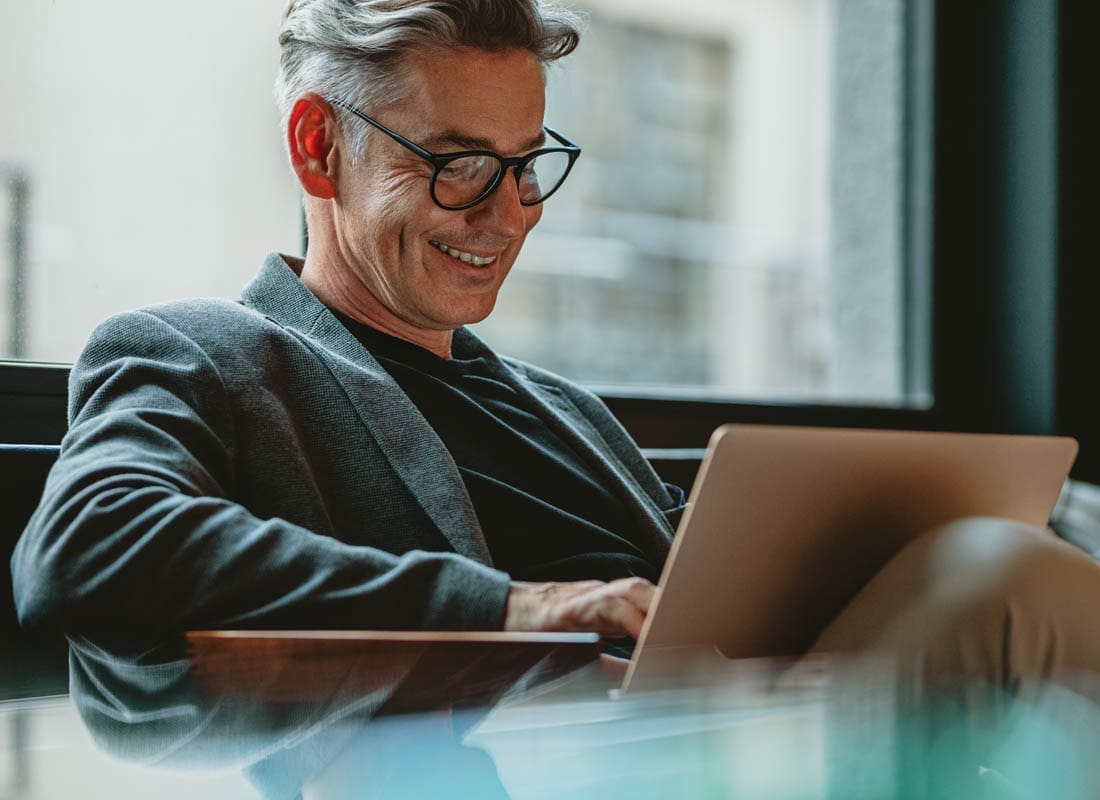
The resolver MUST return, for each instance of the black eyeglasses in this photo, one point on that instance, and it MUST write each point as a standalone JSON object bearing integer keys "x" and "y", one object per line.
{"x": 461, "y": 180}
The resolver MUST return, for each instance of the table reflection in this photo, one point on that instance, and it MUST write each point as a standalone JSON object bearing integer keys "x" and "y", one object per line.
{"x": 323, "y": 715}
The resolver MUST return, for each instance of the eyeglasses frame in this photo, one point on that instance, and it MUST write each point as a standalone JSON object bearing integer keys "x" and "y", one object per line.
{"x": 440, "y": 160}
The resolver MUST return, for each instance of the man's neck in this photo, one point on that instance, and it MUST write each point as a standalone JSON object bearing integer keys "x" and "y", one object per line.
{"x": 359, "y": 303}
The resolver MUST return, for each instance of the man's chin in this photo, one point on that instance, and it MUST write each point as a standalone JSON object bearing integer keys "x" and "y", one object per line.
{"x": 470, "y": 315}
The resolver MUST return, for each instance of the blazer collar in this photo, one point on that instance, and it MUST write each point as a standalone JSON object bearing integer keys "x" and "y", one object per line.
{"x": 415, "y": 451}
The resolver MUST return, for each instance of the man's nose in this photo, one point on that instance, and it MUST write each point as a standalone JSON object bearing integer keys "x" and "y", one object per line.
{"x": 501, "y": 213}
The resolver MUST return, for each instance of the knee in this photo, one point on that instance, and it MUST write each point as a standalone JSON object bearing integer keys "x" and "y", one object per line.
{"x": 1002, "y": 598}
{"x": 971, "y": 585}
{"x": 997, "y": 561}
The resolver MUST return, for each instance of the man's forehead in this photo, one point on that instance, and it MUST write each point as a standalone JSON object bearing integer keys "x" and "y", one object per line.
{"x": 470, "y": 140}
{"x": 468, "y": 99}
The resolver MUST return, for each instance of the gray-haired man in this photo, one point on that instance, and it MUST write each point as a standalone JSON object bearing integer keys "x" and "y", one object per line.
{"x": 337, "y": 450}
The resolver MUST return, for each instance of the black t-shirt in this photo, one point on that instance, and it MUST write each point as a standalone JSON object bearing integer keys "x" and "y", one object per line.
{"x": 545, "y": 514}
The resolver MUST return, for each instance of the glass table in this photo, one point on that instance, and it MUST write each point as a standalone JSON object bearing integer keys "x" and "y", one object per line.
{"x": 352, "y": 714}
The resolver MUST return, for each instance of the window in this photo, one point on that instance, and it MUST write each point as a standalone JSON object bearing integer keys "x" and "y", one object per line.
{"x": 736, "y": 222}
{"x": 735, "y": 226}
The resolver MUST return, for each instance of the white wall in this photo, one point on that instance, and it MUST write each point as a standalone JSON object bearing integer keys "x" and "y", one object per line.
{"x": 149, "y": 135}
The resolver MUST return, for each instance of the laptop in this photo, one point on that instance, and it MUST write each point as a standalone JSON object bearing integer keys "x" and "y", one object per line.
{"x": 786, "y": 524}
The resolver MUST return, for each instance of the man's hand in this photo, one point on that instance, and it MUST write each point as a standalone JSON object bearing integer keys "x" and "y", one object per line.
{"x": 610, "y": 609}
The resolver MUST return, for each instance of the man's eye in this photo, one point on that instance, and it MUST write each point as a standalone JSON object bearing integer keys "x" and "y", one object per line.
{"x": 465, "y": 169}
{"x": 530, "y": 175}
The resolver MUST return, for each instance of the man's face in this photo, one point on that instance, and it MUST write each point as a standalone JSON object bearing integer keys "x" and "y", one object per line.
{"x": 390, "y": 232}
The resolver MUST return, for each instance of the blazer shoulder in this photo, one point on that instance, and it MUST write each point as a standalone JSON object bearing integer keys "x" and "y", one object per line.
{"x": 211, "y": 324}
{"x": 208, "y": 314}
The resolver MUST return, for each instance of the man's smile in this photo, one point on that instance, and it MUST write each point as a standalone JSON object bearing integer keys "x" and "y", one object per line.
{"x": 462, "y": 255}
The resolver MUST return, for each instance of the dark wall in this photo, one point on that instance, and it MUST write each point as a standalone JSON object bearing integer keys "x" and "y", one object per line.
{"x": 995, "y": 218}
{"x": 1078, "y": 222}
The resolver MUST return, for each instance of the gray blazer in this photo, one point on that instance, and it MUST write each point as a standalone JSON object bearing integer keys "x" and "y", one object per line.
{"x": 250, "y": 464}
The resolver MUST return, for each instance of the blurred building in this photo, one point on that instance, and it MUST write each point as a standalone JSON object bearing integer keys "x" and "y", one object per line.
{"x": 734, "y": 224}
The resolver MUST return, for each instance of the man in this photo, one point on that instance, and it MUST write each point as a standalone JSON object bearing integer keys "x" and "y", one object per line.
{"x": 337, "y": 450}
{"x": 262, "y": 464}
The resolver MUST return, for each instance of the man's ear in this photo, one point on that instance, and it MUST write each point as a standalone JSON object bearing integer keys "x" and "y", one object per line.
{"x": 311, "y": 133}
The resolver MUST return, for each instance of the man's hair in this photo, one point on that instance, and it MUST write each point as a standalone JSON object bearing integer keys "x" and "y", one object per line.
{"x": 351, "y": 50}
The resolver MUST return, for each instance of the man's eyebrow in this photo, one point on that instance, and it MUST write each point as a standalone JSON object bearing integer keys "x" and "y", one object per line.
{"x": 465, "y": 141}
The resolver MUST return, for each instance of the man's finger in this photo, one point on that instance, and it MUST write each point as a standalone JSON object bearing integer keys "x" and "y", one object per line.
{"x": 637, "y": 591}
{"x": 631, "y": 618}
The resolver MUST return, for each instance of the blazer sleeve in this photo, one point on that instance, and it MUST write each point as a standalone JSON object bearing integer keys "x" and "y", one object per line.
{"x": 137, "y": 533}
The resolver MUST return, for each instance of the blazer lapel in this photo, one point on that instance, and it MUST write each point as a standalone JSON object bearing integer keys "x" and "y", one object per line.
{"x": 414, "y": 450}
{"x": 576, "y": 430}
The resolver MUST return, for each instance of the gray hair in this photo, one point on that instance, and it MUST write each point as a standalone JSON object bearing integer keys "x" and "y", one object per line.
{"x": 351, "y": 50}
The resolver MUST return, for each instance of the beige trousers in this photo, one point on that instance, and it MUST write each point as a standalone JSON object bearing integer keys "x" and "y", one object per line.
{"x": 979, "y": 643}
{"x": 978, "y": 598}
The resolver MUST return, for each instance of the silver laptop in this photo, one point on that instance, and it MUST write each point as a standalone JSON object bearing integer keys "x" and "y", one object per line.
{"x": 786, "y": 524}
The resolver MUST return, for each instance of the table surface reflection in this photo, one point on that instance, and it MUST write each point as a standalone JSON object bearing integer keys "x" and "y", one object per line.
{"x": 319, "y": 715}
{"x": 228, "y": 715}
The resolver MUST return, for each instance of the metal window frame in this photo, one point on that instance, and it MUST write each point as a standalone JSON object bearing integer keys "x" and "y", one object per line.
{"x": 16, "y": 183}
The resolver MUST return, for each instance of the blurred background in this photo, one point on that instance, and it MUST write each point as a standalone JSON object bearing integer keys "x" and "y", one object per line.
{"x": 734, "y": 227}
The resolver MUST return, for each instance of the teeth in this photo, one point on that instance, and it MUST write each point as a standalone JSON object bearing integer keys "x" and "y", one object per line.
{"x": 469, "y": 258}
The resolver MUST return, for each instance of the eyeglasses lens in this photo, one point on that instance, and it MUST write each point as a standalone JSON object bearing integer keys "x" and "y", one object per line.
{"x": 542, "y": 176}
{"x": 464, "y": 180}
{"x": 461, "y": 181}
